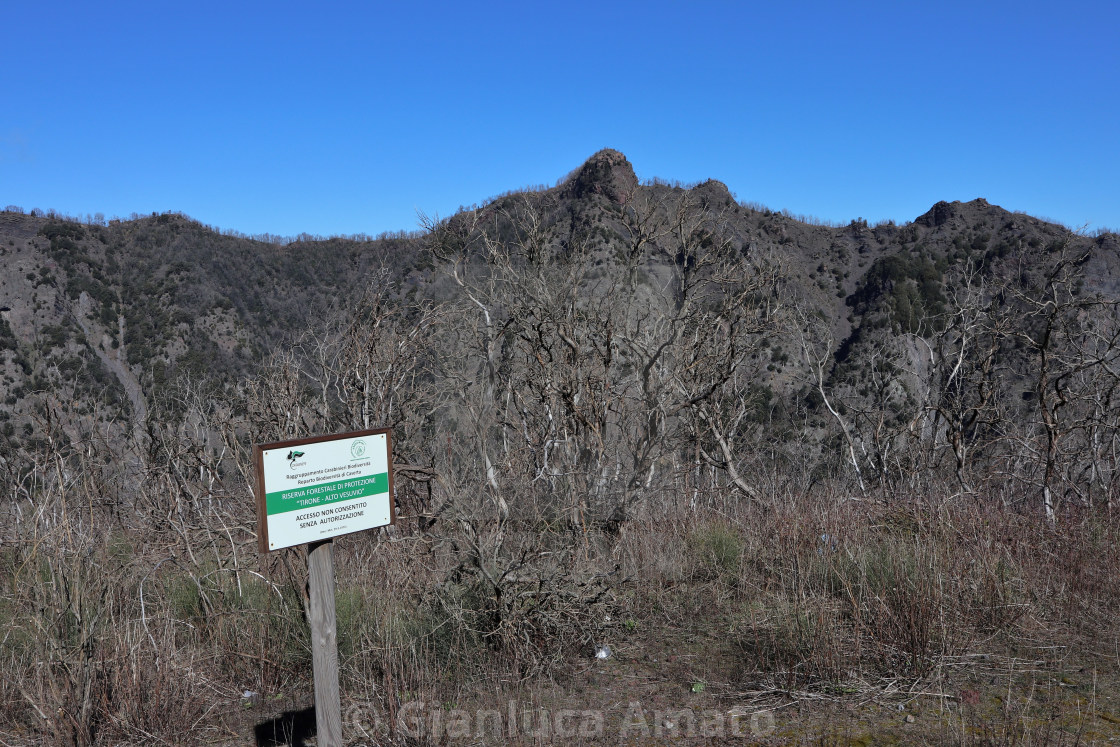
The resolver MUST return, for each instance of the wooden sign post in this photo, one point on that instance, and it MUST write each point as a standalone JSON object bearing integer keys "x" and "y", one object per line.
{"x": 324, "y": 642}
{"x": 310, "y": 491}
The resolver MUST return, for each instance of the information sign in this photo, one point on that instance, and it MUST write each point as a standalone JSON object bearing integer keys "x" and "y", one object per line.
{"x": 312, "y": 489}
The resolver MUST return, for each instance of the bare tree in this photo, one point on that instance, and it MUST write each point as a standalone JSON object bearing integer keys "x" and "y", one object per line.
{"x": 1072, "y": 341}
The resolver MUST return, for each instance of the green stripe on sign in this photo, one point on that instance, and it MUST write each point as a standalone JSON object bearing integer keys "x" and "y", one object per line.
{"x": 313, "y": 496}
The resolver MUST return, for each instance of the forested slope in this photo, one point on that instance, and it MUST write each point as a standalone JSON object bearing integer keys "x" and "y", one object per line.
{"x": 818, "y": 459}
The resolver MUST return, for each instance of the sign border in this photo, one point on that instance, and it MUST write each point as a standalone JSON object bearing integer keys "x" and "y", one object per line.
{"x": 258, "y": 462}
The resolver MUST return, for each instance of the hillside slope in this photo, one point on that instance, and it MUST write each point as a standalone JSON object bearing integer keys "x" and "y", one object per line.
{"x": 108, "y": 317}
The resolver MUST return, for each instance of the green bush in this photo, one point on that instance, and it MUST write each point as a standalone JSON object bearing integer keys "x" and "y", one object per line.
{"x": 8, "y": 339}
{"x": 717, "y": 550}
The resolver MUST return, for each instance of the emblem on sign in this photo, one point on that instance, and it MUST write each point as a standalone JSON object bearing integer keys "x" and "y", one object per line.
{"x": 358, "y": 449}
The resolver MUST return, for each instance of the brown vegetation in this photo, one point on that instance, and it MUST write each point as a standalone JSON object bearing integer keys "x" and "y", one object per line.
{"x": 619, "y": 422}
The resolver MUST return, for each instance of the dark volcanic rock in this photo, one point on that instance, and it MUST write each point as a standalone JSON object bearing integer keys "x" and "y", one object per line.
{"x": 714, "y": 194}
{"x": 606, "y": 173}
{"x": 939, "y": 214}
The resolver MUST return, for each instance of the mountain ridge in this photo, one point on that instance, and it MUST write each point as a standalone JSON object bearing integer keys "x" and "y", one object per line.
{"x": 169, "y": 297}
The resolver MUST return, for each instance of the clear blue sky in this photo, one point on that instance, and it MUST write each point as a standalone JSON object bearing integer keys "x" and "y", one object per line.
{"x": 344, "y": 118}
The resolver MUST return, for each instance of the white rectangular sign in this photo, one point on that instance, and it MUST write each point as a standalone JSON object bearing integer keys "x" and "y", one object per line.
{"x": 315, "y": 488}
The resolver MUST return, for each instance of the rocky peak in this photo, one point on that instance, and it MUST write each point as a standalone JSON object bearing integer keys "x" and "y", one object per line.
{"x": 714, "y": 193}
{"x": 939, "y": 214}
{"x": 606, "y": 173}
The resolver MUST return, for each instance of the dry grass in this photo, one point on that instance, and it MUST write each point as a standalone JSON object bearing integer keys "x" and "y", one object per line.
{"x": 128, "y": 621}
